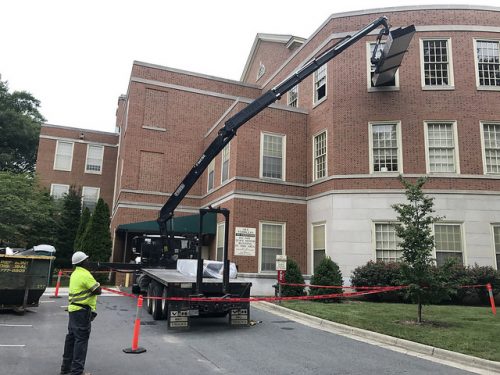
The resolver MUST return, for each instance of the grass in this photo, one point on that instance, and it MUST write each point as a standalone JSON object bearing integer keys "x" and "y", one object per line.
{"x": 468, "y": 330}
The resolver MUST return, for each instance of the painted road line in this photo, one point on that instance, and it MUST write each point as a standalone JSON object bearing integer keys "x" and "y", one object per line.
{"x": 15, "y": 325}
{"x": 11, "y": 346}
{"x": 46, "y": 301}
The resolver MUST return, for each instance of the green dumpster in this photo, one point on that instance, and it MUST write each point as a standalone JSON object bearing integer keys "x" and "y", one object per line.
{"x": 23, "y": 279}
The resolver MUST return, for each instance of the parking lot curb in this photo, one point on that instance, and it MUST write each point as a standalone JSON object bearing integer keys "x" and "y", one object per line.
{"x": 411, "y": 346}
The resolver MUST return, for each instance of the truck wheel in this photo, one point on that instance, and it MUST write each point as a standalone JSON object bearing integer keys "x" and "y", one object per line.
{"x": 164, "y": 304}
{"x": 156, "y": 309}
{"x": 149, "y": 302}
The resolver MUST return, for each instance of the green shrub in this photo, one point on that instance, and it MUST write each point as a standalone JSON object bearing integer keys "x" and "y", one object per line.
{"x": 327, "y": 274}
{"x": 293, "y": 275}
{"x": 379, "y": 274}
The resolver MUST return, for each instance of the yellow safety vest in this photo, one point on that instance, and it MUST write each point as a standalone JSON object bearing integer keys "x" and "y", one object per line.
{"x": 81, "y": 286}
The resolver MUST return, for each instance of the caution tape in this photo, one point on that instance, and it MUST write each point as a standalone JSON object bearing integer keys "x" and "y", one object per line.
{"x": 339, "y": 286}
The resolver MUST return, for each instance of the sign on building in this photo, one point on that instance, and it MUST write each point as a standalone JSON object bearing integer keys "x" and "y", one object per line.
{"x": 244, "y": 241}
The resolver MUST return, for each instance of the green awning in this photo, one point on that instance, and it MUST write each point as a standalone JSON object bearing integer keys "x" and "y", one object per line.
{"x": 178, "y": 225}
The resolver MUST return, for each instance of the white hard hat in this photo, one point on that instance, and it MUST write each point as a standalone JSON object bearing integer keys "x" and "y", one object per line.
{"x": 78, "y": 257}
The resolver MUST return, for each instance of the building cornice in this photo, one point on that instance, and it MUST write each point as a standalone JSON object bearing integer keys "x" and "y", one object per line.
{"x": 47, "y": 125}
{"x": 74, "y": 140}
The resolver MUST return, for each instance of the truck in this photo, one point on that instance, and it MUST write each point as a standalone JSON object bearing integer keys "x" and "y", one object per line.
{"x": 230, "y": 297}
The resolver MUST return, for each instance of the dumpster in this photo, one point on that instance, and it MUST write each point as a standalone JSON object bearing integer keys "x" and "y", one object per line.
{"x": 23, "y": 279}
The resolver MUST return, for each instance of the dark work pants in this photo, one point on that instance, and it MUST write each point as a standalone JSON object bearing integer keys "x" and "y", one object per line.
{"x": 77, "y": 339}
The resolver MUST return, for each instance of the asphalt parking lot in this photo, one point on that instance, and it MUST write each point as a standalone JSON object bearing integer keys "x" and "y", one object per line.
{"x": 32, "y": 344}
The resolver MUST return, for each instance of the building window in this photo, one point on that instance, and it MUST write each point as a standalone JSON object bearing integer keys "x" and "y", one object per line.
{"x": 221, "y": 228}
{"x": 320, "y": 84}
{"x": 273, "y": 156}
{"x": 272, "y": 244}
{"x": 488, "y": 63}
{"x": 448, "y": 242}
{"x": 64, "y": 156}
{"x": 293, "y": 96}
{"x": 393, "y": 84}
{"x": 58, "y": 191}
{"x": 441, "y": 151}
{"x": 225, "y": 163}
{"x": 319, "y": 244}
{"x": 437, "y": 68}
{"x": 385, "y": 152}
{"x": 491, "y": 148}
{"x": 387, "y": 243}
{"x": 319, "y": 149}
{"x": 95, "y": 156}
{"x": 496, "y": 239}
{"x": 211, "y": 175}
{"x": 90, "y": 196}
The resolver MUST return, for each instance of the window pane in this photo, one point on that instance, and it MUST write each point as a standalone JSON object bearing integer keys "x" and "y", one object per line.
{"x": 293, "y": 96}
{"x": 436, "y": 62}
{"x": 320, "y": 156}
{"x": 319, "y": 247}
{"x": 64, "y": 155}
{"x": 94, "y": 159}
{"x": 386, "y": 243}
{"x": 318, "y": 256}
{"x": 59, "y": 191}
{"x": 488, "y": 59}
{"x": 272, "y": 245}
{"x": 211, "y": 173}
{"x": 90, "y": 196}
{"x": 448, "y": 242}
{"x": 320, "y": 83}
{"x": 491, "y": 135}
{"x": 225, "y": 163}
{"x": 385, "y": 148}
{"x": 441, "y": 147}
{"x": 272, "y": 161}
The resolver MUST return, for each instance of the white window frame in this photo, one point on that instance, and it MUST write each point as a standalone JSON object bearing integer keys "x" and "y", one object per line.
{"x": 317, "y": 101}
{"x": 71, "y": 158}
{"x": 315, "y": 225}
{"x": 293, "y": 102}
{"x": 399, "y": 145}
{"x": 221, "y": 226}
{"x": 462, "y": 239}
{"x": 211, "y": 170}
{"x": 369, "y": 72}
{"x": 374, "y": 240}
{"x": 455, "y": 146}
{"x": 283, "y": 156}
{"x": 476, "y": 64}
{"x": 54, "y": 186}
{"x": 451, "y": 79}
{"x": 225, "y": 157}
{"x": 495, "y": 262}
{"x": 483, "y": 145}
{"x": 84, "y": 188}
{"x": 89, "y": 146}
{"x": 283, "y": 241}
{"x": 314, "y": 158}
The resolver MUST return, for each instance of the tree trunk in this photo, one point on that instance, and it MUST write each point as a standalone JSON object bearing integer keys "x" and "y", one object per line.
{"x": 419, "y": 310}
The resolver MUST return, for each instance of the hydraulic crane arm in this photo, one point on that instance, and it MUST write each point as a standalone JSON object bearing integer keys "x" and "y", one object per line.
{"x": 227, "y": 132}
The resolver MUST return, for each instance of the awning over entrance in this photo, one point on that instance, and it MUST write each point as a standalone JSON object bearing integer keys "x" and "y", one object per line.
{"x": 180, "y": 225}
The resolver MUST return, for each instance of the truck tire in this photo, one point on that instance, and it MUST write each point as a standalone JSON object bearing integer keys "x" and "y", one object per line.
{"x": 156, "y": 309}
{"x": 149, "y": 302}
{"x": 164, "y": 304}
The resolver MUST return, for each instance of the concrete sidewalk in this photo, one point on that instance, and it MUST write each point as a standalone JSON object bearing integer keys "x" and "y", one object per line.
{"x": 458, "y": 360}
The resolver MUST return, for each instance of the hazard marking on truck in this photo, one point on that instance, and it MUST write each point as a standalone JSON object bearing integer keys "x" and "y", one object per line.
{"x": 239, "y": 311}
{"x": 237, "y": 322}
{"x": 174, "y": 313}
{"x": 239, "y": 316}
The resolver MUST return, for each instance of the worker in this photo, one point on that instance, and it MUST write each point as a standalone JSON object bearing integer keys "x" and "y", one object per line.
{"x": 83, "y": 292}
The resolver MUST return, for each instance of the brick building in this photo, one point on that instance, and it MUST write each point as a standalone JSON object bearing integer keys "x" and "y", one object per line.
{"x": 315, "y": 174}
{"x": 83, "y": 158}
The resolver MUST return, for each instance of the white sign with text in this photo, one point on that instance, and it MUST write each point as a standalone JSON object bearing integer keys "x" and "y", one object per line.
{"x": 244, "y": 241}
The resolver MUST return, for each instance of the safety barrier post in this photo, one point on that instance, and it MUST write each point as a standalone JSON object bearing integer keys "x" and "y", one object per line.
{"x": 135, "y": 349}
{"x": 492, "y": 300}
{"x": 58, "y": 284}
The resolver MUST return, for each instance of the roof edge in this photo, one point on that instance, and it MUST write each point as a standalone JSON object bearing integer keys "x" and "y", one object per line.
{"x": 47, "y": 125}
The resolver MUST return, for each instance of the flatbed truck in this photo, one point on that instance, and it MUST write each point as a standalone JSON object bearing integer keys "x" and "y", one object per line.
{"x": 169, "y": 283}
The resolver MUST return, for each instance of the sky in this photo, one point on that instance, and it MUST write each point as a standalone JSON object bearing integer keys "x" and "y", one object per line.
{"x": 76, "y": 56}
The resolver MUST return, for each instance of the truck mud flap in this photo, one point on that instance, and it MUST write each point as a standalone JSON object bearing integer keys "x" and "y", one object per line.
{"x": 240, "y": 317}
{"x": 178, "y": 315}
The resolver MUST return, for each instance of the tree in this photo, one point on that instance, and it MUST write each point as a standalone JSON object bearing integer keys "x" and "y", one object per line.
{"x": 96, "y": 241}
{"x": 20, "y": 123}
{"x": 68, "y": 224}
{"x": 82, "y": 225}
{"x": 327, "y": 273}
{"x": 414, "y": 229}
{"x": 27, "y": 211}
{"x": 293, "y": 275}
